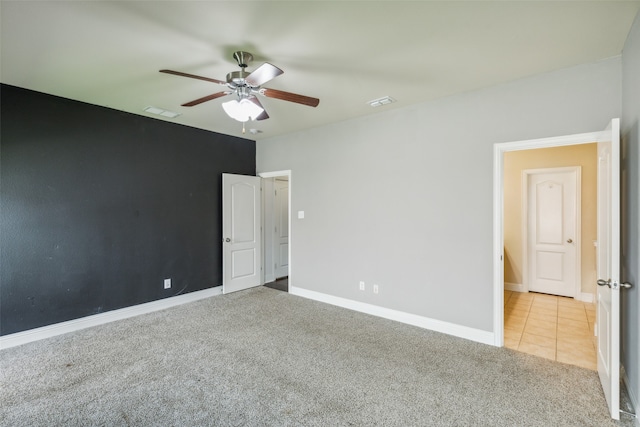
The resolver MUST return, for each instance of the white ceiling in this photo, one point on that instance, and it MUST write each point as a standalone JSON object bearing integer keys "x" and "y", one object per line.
{"x": 343, "y": 52}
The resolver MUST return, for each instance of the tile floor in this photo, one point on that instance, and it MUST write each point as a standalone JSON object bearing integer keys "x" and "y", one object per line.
{"x": 558, "y": 328}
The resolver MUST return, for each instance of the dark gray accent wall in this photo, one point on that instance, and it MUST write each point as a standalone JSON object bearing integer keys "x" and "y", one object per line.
{"x": 99, "y": 206}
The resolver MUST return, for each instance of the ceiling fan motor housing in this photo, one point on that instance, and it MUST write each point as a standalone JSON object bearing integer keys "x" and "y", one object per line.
{"x": 237, "y": 78}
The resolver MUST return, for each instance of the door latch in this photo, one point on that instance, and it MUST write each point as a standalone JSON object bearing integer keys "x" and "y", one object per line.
{"x": 614, "y": 285}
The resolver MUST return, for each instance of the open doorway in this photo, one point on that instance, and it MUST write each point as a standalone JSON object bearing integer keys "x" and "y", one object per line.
{"x": 549, "y": 253}
{"x": 276, "y": 229}
{"x": 510, "y": 275}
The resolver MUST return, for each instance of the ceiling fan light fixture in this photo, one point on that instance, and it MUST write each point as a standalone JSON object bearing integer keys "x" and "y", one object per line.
{"x": 242, "y": 110}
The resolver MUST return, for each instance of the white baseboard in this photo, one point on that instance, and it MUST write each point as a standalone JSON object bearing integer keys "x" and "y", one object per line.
{"x": 634, "y": 399}
{"x": 515, "y": 287}
{"x": 585, "y": 297}
{"x": 519, "y": 287}
{"x": 36, "y": 334}
{"x": 472, "y": 334}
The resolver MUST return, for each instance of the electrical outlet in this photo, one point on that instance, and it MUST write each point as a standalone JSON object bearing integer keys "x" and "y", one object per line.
{"x": 167, "y": 283}
{"x": 361, "y": 285}
{"x": 375, "y": 289}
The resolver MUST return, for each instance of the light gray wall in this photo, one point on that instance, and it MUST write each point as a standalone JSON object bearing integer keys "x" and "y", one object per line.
{"x": 630, "y": 216}
{"x": 403, "y": 198}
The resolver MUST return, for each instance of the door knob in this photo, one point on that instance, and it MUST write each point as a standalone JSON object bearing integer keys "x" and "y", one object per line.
{"x": 626, "y": 285}
{"x": 227, "y": 240}
{"x": 569, "y": 240}
{"x": 602, "y": 282}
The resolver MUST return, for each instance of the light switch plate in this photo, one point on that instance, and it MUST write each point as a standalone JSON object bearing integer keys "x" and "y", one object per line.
{"x": 300, "y": 214}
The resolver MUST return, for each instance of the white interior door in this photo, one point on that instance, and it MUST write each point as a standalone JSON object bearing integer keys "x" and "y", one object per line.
{"x": 608, "y": 266}
{"x": 241, "y": 245}
{"x": 281, "y": 237}
{"x": 553, "y": 238}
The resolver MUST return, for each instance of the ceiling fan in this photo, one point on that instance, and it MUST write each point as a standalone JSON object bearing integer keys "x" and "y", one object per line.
{"x": 245, "y": 86}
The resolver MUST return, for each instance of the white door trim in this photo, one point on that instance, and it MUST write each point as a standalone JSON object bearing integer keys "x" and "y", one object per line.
{"x": 281, "y": 269}
{"x": 275, "y": 174}
{"x": 498, "y": 214}
{"x": 578, "y": 223}
{"x": 268, "y": 275}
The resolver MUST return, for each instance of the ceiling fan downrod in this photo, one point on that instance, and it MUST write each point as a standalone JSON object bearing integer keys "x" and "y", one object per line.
{"x": 237, "y": 79}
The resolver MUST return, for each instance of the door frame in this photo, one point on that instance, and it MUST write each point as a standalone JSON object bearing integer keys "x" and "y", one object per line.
{"x": 578, "y": 223}
{"x": 276, "y": 174}
{"x": 279, "y": 184}
{"x": 498, "y": 212}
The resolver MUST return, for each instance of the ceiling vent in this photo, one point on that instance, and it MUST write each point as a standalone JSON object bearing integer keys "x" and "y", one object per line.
{"x": 161, "y": 112}
{"x": 381, "y": 101}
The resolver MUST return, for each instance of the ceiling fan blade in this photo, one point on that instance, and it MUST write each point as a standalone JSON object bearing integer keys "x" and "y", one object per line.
{"x": 205, "y": 99}
{"x": 263, "y": 74}
{"x": 263, "y": 115}
{"x": 288, "y": 96}
{"x": 193, "y": 76}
